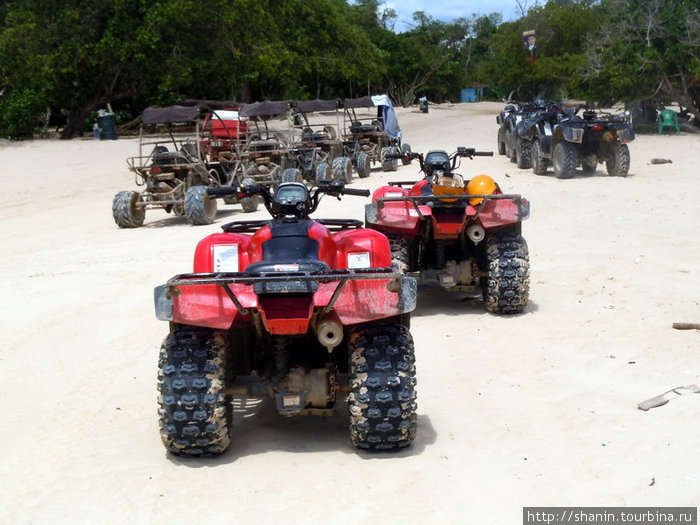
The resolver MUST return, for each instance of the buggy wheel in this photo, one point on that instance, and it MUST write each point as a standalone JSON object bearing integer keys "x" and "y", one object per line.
{"x": 249, "y": 204}
{"x": 323, "y": 173}
{"x": 199, "y": 207}
{"x": 523, "y": 153}
{"x": 194, "y": 415}
{"x": 506, "y": 289}
{"x": 292, "y": 175}
{"x": 125, "y": 211}
{"x": 342, "y": 169}
{"x": 364, "y": 166}
{"x": 399, "y": 252}
{"x": 564, "y": 160}
{"x": 405, "y": 150}
{"x": 382, "y": 401}
{"x": 618, "y": 164}
{"x": 539, "y": 163}
{"x": 501, "y": 142}
{"x": 389, "y": 164}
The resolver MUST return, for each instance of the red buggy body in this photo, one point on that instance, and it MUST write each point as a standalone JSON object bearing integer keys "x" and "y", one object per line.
{"x": 291, "y": 308}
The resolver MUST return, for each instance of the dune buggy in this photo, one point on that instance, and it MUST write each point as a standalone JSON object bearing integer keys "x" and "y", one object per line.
{"x": 463, "y": 234}
{"x": 374, "y": 136}
{"x": 178, "y": 159}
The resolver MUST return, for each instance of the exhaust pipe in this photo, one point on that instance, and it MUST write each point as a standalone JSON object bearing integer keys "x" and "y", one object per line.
{"x": 329, "y": 331}
{"x": 476, "y": 233}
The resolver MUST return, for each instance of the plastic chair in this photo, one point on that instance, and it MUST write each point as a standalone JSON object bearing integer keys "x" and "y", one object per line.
{"x": 668, "y": 119}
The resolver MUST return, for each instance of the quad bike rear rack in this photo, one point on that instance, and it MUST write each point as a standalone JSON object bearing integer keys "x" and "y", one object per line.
{"x": 522, "y": 204}
{"x": 282, "y": 282}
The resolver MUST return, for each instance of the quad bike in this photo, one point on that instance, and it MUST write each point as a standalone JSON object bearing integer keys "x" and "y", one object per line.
{"x": 464, "y": 234}
{"x": 182, "y": 151}
{"x": 514, "y": 123}
{"x": 585, "y": 140}
{"x": 292, "y": 308}
{"x": 374, "y": 137}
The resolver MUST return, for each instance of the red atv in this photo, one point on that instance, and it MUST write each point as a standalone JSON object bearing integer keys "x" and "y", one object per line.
{"x": 463, "y": 234}
{"x": 292, "y": 308}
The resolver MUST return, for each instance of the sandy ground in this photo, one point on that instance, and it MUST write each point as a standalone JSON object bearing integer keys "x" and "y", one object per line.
{"x": 531, "y": 410}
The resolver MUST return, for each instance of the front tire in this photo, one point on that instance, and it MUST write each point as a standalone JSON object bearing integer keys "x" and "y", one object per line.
{"x": 564, "y": 160}
{"x": 199, "y": 207}
{"x": 382, "y": 402}
{"x": 539, "y": 162}
{"x": 194, "y": 415}
{"x": 507, "y": 287}
{"x": 126, "y": 212}
{"x": 618, "y": 164}
{"x": 510, "y": 149}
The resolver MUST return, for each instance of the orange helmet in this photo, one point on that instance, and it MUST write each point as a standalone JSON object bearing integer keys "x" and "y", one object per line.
{"x": 480, "y": 185}
{"x": 447, "y": 185}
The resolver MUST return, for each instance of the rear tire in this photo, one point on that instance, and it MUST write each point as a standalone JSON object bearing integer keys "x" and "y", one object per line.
{"x": 323, "y": 173}
{"x": 618, "y": 164}
{"x": 364, "y": 165}
{"x": 399, "y": 252}
{"x": 389, "y": 164}
{"x": 292, "y": 175}
{"x": 539, "y": 162}
{"x": 523, "y": 154}
{"x": 125, "y": 211}
{"x": 382, "y": 402}
{"x": 194, "y": 415}
{"x": 507, "y": 287}
{"x": 342, "y": 169}
{"x": 501, "y": 142}
{"x": 199, "y": 207}
{"x": 564, "y": 160}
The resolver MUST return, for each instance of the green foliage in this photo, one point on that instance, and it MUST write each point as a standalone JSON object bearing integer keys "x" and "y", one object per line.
{"x": 73, "y": 57}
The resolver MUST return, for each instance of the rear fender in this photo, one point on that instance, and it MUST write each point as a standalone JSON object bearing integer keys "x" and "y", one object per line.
{"x": 502, "y": 212}
{"x": 222, "y": 252}
{"x": 395, "y": 216}
{"x": 361, "y": 248}
{"x": 361, "y": 301}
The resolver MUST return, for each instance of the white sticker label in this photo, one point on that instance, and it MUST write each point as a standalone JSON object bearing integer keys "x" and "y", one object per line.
{"x": 358, "y": 260}
{"x": 412, "y": 212}
{"x": 225, "y": 258}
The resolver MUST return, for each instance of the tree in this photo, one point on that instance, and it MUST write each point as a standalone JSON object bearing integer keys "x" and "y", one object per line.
{"x": 646, "y": 50}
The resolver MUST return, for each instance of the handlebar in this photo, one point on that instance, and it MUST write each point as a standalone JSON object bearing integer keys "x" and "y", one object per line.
{"x": 359, "y": 193}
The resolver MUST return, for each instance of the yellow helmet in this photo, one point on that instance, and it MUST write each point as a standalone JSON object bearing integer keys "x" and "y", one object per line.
{"x": 447, "y": 185}
{"x": 480, "y": 185}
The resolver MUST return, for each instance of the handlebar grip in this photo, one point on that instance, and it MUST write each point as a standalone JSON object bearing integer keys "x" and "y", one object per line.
{"x": 483, "y": 153}
{"x": 222, "y": 191}
{"x": 359, "y": 193}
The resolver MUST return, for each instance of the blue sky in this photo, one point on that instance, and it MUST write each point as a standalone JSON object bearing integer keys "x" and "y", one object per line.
{"x": 450, "y": 9}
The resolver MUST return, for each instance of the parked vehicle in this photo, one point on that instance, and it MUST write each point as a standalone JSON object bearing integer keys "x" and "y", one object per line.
{"x": 462, "y": 233}
{"x": 372, "y": 136}
{"x": 178, "y": 159}
{"x": 567, "y": 140}
{"x": 297, "y": 309}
